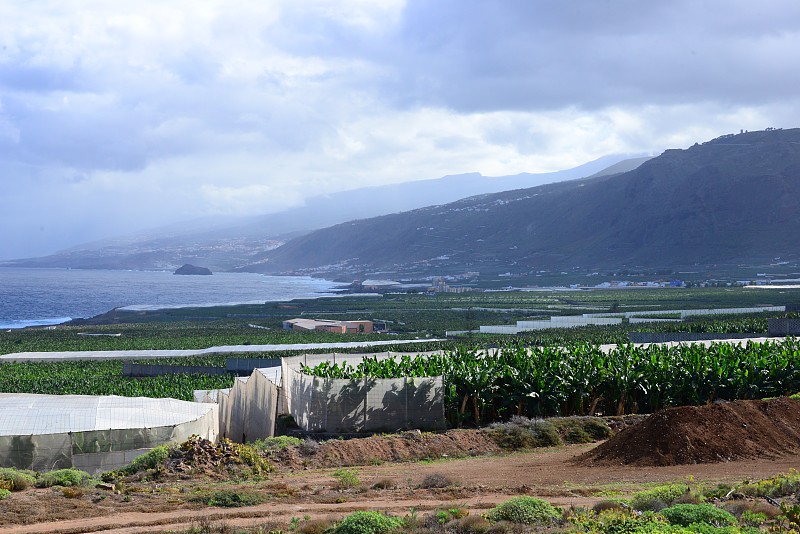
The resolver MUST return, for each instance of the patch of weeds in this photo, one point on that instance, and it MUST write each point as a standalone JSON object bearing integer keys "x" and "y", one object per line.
{"x": 72, "y": 492}
{"x": 384, "y": 483}
{"x": 619, "y": 520}
{"x": 251, "y": 457}
{"x": 4, "y": 493}
{"x": 687, "y": 514}
{"x": 659, "y": 497}
{"x": 602, "y": 506}
{"x": 774, "y": 487}
{"x": 346, "y": 478}
{"x": 578, "y": 429}
{"x": 230, "y": 498}
{"x": 471, "y": 524}
{"x": 437, "y": 480}
{"x": 14, "y": 479}
{"x": 445, "y": 516}
{"x": 744, "y": 508}
{"x": 63, "y": 477}
{"x": 524, "y": 433}
{"x": 149, "y": 460}
{"x": 314, "y": 526}
{"x": 753, "y": 519}
{"x": 525, "y": 510}
{"x": 277, "y": 442}
{"x": 367, "y": 522}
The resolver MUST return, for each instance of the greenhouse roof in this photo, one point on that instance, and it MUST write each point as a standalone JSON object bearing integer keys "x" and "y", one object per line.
{"x": 28, "y": 414}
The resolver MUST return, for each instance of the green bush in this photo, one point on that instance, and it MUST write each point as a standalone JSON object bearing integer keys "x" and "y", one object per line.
{"x": 658, "y": 497}
{"x": 63, "y": 477}
{"x": 524, "y": 433}
{"x": 686, "y": 514}
{"x": 525, "y": 510}
{"x": 368, "y": 522}
{"x": 346, "y": 478}
{"x": 16, "y": 479}
{"x": 4, "y": 493}
{"x": 149, "y": 460}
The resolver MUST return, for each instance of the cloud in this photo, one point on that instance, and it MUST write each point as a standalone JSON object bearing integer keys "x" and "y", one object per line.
{"x": 119, "y": 115}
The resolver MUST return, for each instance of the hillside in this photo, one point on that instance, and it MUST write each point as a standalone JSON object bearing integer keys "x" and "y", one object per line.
{"x": 730, "y": 200}
{"x": 229, "y": 243}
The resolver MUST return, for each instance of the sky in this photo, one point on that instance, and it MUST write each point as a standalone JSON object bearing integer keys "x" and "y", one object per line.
{"x": 126, "y": 115}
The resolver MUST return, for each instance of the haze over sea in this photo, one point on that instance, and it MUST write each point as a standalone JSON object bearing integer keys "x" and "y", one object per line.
{"x": 31, "y": 297}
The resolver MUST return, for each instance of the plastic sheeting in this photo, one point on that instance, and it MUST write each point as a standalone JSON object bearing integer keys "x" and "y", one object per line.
{"x": 45, "y": 432}
{"x": 248, "y": 410}
{"x": 365, "y": 405}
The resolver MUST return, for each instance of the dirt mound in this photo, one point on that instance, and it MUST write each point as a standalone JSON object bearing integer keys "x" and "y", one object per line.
{"x": 706, "y": 434}
{"x": 391, "y": 448}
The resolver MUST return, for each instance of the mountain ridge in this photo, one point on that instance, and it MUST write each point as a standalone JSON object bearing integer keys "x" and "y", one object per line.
{"x": 729, "y": 200}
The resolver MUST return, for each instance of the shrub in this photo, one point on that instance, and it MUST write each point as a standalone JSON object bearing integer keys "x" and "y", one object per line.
{"x": 384, "y": 483}
{"x": 686, "y": 514}
{"x": 777, "y": 486}
{"x": 368, "y": 522}
{"x": 72, "y": 492}
{"x": 149, "y": 460}
{"x": 277, "y": 442}
{"x": 525, "y": 510}
{"x": 659, "y": 497}
{"x": 346, "y": 478}
{"x": 471, "y": 524}
{"x": 251, "y": 457}
{"x": 63, "y": 477}
{"x": 4, "y": 493}
{"x": 524, "y": 433}
{"x": 16, "y": 479}
{"x": 436, "y": 480}
{"x": 581, "y": 429}
{"x": 230, "y": 498}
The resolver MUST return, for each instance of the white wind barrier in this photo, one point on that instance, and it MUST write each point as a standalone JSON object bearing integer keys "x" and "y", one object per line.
{"x": 364, "y": 405}
{"x": 45, "y": 432}
{"x": 248, "y": 409}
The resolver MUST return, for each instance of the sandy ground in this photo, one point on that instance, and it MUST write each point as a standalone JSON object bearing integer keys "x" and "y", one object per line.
{"x": 479, "y": 484}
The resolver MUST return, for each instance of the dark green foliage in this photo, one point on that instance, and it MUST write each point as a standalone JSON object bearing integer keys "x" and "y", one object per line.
{"x": 16, "y": 479}
{"x": 525, "y": 510}
{"x": 581, "y": 379}
{"x": 149, "y": 460}
{"x": 63, "y": 477}
{"x": 368, "y": 522}
{"x": 686, "y": 514}
{"x": 655, "y": 499}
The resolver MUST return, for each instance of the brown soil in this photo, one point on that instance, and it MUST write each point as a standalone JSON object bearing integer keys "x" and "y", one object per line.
{"x": 704, "y": 434}
{"x": 307, "y": 484}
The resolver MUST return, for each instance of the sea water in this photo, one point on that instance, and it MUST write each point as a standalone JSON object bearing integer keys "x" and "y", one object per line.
{"x": 31, "y": 297}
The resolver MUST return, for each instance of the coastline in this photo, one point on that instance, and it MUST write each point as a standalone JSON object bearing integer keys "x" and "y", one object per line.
{"x": 46, "y": 297}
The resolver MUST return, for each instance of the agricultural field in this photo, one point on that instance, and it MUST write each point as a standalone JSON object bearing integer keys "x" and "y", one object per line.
{"x": 469, "y": 479}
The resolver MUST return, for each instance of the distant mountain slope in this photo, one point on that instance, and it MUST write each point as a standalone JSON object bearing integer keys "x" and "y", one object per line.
{"x": 228, "y": 244}
{"x": 733, "y": 199}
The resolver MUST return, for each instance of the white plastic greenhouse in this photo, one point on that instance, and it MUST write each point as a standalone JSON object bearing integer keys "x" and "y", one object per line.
{"x": 93, "y": 433}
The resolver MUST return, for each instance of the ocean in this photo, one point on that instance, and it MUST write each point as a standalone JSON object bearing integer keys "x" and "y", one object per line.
{"x": 30, "y": 297}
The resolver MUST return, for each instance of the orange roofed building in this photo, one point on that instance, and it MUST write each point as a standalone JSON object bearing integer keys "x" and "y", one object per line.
{"x": 324, "y": 325}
